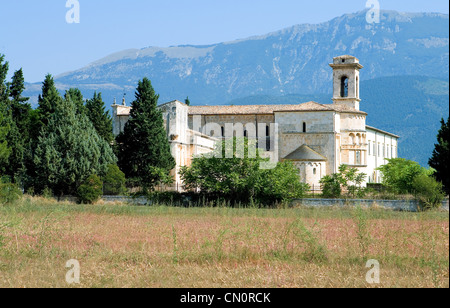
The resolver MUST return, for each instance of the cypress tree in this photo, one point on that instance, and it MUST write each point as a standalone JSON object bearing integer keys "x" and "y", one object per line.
{"x": 440, "y": 157}
{"x": 20, "y": 109}
{"x": 99, "y": 117}
{"x": 18, "y": 136}
{"x": 69, "y": 151}
{"x": 144, "y": 150}
{"x": 187, "y": 101}
{"x": 48, "y": 100}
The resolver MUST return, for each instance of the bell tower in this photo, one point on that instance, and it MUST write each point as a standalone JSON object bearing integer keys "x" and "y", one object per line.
{"x": 346, "y": 81}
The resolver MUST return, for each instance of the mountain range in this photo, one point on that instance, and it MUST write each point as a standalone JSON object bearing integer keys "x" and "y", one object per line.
{"x": 405, "y": 59}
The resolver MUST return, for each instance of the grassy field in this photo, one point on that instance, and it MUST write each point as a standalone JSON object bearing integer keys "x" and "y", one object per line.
{"x": 125, "y": 246}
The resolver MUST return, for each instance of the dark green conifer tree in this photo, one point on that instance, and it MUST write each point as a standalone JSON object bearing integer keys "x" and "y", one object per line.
{"x": 18, "y": 135}
{"x": 4, "y": 115}
{"x": 20, "y": 108}
{"x": 69, "y": 151}
{"x": 440, "y": 158}
{"x": 48, "y": 100}
{"x": 99, "y": 117}
{"x": 77, "y": 98}
{"x": 144, "y": 150}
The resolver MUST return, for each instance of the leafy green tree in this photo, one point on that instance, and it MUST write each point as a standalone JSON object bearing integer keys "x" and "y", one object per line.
{"x": 99, "y": 117}
{"x": 69, "y": 151}
{"x": 143, "y": 147}
{"x": 352, "y": 180}
{"x": 239, "y": 178}
{"x": 440, "y": 158}
{"x": 399, "y": 174}
{"x": 77, "y": 98}
{"x": 187, "y": 101}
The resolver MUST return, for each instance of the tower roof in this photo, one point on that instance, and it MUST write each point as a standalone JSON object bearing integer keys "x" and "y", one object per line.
{"x": 305, "y": 153}
{"x": 346, "y": 61}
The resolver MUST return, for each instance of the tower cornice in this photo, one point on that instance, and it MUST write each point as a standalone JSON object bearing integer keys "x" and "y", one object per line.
{"x": 347, "y": 65}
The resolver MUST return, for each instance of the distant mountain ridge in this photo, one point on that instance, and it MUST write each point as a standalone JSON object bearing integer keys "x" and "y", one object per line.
{"x": 292, "y": 62}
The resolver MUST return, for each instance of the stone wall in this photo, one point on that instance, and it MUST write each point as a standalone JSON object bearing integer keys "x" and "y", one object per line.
{"x": 396, "y": 205}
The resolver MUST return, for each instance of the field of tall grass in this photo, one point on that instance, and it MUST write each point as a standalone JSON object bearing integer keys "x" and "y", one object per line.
{"x": 119, "y": 245}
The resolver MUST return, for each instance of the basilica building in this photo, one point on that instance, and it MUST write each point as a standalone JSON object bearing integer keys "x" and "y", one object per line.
{"x": 317, "y": 138}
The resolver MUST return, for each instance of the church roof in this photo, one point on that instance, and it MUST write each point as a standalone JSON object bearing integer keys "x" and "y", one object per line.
{"x": 305, "y": 153}
{"x": 268, "y": 109}
{"x": 369, "y": 128}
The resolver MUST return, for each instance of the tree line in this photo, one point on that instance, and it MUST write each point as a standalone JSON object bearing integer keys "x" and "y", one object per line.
{"x": 67, "y": 142}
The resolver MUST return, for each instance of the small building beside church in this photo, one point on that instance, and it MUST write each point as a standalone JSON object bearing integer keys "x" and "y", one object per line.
{"x": 317, "y": 138}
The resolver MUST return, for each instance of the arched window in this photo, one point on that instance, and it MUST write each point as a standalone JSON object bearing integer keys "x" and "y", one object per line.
{"x": 314, "y": 171}
{"x": 344, "y": 86}
{"x": 304, "y": 127}
{"x": 352, "y": 139}
{"x": 223, "y": 131}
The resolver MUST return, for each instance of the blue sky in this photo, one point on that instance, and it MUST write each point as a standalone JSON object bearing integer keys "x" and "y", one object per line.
{"x": 36, "y": 36}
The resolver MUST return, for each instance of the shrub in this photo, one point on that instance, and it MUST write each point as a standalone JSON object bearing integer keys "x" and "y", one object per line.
{"x": 428, "y": 191}
{"x": 47, "y": 193}
{"x": 91, "y": 190}
{"x": 281, "y": 184}
{"x": 114, "y": 181}
{"x": 348, "y": 178}
{"x": 331, "y": 186}
{"x": 9, "y": 193}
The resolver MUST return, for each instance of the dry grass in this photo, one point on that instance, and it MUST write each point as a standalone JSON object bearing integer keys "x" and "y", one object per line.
{"x": 124, "y": 246}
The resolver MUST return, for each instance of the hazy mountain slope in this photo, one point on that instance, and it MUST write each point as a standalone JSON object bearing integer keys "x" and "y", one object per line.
{"x": 293, "y": 60}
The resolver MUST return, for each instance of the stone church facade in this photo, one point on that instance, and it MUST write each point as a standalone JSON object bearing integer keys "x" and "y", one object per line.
{"x": 317, "y": 138}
